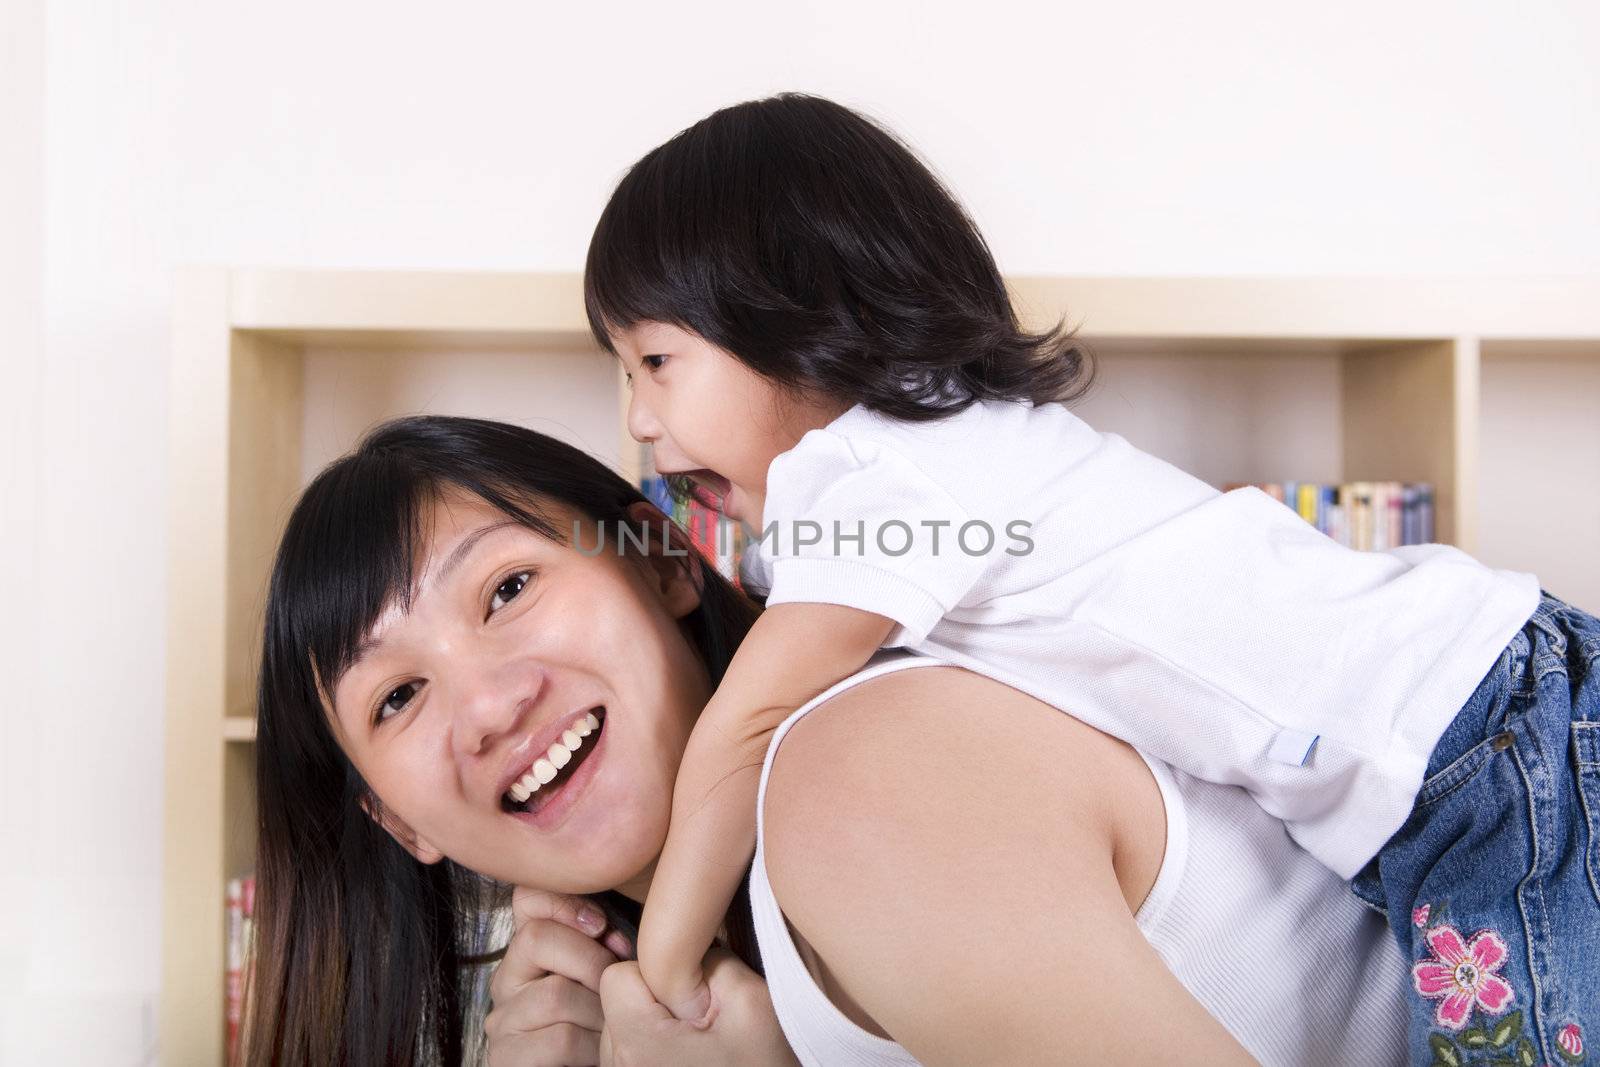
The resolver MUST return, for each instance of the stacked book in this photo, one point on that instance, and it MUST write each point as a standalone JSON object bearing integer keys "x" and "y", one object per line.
{"x": 241, "y": 926}
{"x": 1367, "y": 516}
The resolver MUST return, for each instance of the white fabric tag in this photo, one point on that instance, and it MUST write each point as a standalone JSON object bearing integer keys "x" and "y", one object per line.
{"x": 1293, "y": 747}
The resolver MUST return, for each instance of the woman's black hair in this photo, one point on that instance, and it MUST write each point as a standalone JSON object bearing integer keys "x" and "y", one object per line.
{"x": 363, "y": 954}
{"x": 812, "y": 245}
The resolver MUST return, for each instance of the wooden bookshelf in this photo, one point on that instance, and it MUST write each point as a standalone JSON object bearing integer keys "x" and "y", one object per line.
{"x": 1486, "y": 388}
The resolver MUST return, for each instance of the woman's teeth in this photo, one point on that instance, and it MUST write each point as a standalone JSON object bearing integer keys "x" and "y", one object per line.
{"x": 556, "y": 757}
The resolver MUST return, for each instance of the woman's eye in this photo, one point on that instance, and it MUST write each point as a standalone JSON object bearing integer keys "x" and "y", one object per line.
{"x": 653, "y": 362}
{"x": 507, "y": 590}
{"x": 396, "y": 701}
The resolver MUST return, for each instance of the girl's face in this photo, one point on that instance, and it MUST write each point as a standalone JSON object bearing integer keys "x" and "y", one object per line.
{"x": 709, "y": 416}
{"x": 511, "y": 641}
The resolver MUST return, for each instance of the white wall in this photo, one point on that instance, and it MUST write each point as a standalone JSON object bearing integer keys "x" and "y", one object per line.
{"x": 28, "y": 995}
{"x": 1431, "y": 137}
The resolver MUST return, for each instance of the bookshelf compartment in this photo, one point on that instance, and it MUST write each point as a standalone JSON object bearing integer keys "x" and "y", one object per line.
{"x": 239, "y": 810}
{"x": 566, "y": 391}
{"x": 1540, "y": 465}
{"x": 1287, "y": 409}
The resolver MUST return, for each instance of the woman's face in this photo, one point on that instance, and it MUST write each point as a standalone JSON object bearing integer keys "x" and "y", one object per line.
{"x": 511, "y": 641}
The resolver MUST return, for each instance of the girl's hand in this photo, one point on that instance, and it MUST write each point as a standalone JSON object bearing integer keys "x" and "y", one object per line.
{"x": 744, "y": 1032}
{"x": 546, "y": 991}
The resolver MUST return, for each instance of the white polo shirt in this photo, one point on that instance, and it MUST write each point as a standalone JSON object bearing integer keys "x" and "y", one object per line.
{"x": 1217, "y": 632}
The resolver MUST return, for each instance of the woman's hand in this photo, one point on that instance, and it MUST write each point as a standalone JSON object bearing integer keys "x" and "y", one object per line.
{"x": 744, "y": 1031}
{"x": 546, "y": 991}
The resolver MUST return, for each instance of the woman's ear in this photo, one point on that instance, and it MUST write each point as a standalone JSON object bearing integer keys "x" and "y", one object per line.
{"x": 668, "y": 557}
{"x": 396, "y": 828}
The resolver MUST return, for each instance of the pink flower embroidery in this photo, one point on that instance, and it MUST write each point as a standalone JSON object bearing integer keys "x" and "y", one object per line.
{"x": 1419, "y": 916}
{"x": 1571, "y": 1041}
{"x": 1461, "y": 974}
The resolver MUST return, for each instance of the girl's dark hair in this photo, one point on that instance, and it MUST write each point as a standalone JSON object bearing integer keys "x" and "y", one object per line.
{"x": 363, "y": 954}
{"x": 812, "y": 245}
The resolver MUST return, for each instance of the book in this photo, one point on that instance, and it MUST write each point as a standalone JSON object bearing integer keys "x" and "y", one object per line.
{"x": 240, "y": 957}
{"x": 1366, "y": 516}
{"x": 233, "y": 982}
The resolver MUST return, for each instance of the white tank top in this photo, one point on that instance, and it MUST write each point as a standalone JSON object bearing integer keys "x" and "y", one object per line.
{"x": 1272, "y": 943}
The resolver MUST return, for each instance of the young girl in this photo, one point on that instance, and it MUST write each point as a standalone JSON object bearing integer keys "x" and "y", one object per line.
{"x": 817, "y": 334}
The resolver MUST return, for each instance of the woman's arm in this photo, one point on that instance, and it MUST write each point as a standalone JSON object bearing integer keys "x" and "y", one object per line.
{"x": 945, "y": 845}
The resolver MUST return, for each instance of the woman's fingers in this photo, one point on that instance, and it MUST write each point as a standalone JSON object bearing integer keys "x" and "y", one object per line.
{"x": 551, "y": 999}
{"x": 632, "y": 1016}
{"x": 735, "y": 985}
{"x": 577, "y": 912}
{"x": 545, "y": 946}
{"x": 557, "y": 1045}
{"x": 626, "y": 998}
{"x": 546, "y": 989}
{"x": 743, "y": 1032}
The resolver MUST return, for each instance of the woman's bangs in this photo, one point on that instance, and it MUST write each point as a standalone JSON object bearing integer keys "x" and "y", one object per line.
{"x": 359, "y": 551}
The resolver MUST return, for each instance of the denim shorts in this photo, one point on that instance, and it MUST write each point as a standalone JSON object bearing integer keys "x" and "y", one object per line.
{"x": 1492, "y": 885}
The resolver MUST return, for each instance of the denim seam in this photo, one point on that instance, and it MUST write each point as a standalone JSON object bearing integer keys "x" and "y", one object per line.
{"x": 1587, "y": 735}
{"x": 1544, "y": 618}
{"x": 1547, "y": 663}
{"x": 1530, "y": 891}
{"x": 1463, "y": 770}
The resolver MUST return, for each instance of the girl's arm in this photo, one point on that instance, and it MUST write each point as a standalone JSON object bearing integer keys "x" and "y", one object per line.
{"x": 793, "y": 652}
{"x": 947, "y": 851}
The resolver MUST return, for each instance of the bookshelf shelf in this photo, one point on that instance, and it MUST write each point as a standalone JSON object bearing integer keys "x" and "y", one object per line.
{"x": 237, "y": 728}
{"x": 1485, "y": 388}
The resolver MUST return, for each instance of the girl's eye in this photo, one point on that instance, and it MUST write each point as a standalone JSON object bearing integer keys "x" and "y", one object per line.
{"x": 395, "y": 702}
{"x": 507, "y": 590}
{"x": 653, "y": 362}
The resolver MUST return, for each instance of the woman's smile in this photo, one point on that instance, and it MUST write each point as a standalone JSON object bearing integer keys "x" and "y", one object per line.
{"x": 550, "y": 785}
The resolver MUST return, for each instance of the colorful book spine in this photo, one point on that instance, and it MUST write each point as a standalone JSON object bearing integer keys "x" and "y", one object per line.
{"x": 1367, "y": 516}
{"x": 234, "y": 982}
{"x": 240, "y": 955}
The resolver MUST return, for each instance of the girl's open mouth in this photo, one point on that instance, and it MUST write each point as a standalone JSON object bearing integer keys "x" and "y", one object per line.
{"x": 712, "y": 482}
{"x": 546, "y": 781}
{"x": 705, "y": 487}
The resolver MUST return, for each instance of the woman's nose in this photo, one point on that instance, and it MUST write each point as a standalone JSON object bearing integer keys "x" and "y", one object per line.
{"x": 495, "y": 703}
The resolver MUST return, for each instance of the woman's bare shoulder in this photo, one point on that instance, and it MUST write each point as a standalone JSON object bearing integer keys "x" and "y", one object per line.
{"x": 893, "y": 772}
{"x": 937, "y": 838}
{"x": 902, "y": 732}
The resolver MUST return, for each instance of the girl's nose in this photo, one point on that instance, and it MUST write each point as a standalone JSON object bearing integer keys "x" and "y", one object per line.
{"x": 642, "y": 424}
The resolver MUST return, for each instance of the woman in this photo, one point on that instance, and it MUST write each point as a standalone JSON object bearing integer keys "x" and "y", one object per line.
{"x": 454, "y": 605}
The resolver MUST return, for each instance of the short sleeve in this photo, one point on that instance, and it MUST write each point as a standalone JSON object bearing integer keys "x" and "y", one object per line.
{"x": 857, "y": 523}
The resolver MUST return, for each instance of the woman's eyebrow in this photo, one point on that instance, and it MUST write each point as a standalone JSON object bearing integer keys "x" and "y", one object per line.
{"x": 468, "y": 543}
{"x": 370, "y": 644}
